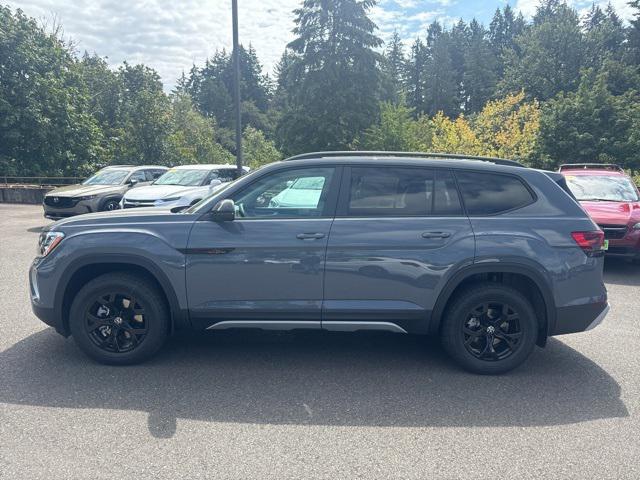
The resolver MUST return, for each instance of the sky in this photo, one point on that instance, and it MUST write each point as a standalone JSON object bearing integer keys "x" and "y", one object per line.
{"x": 171, "y": 36}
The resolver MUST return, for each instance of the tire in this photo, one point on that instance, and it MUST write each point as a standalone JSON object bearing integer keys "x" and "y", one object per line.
{"x": 489, "y": 329}
{"x": 110, "y": 205}
{"x": 109, "y": 329}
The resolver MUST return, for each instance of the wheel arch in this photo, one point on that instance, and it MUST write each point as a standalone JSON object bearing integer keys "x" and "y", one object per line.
{"x": 514, "y": 272}
{"x": 84, "y": 269}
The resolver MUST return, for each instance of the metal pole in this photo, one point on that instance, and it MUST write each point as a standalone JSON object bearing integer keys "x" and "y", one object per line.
{"x": 236, "y": 81}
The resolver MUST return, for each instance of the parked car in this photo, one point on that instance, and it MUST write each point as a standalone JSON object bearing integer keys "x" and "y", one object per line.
{"x": 492, "y": 257}
{"x": 609, "y": 195}
{"x": 181, "y": 186}
{"x": 100, "y": 192}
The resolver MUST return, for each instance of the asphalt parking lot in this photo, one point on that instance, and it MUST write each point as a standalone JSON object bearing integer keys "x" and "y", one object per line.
{"x": 291, "y": 405}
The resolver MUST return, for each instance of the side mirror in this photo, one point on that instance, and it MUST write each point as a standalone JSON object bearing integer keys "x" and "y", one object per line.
{"x": 133, "y": 182}
{"x": 224, "y": 211}
{"x": 214, "y": 183}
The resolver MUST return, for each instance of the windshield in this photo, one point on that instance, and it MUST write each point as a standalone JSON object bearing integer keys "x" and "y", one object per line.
{"x": 183, "y": 177}
{"x": 595, "y": 187}
{"x": 107, "y": 177}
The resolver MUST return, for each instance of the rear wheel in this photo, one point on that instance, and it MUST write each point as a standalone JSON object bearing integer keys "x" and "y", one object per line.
{"x": 489, "y": 329}
{"x": 119, "y": 319}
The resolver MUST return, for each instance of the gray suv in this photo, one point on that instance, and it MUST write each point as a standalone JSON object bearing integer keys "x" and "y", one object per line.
{"x": 492, "y": 257}
{"x": 99, "y": 193}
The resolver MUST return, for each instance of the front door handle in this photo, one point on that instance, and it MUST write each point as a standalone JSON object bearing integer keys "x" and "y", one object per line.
{"x": 436, "y": 235}
{"x": 310, "y": 236}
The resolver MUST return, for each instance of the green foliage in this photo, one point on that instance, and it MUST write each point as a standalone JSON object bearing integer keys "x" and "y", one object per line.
{"x": 335, "y": 81}
{"x": 559, "y": 88}
{"x": 258, "y": 150}
{"x": 592, "y": 124}
{"x": 546, "y": 60}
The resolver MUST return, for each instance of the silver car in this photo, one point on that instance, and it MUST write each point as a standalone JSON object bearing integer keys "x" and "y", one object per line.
{"x": 101, "y": 192}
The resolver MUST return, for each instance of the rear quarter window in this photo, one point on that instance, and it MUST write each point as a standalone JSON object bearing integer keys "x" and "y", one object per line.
{"x": 492, "y": 193}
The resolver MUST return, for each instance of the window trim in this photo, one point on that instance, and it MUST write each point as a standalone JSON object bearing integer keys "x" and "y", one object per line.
{"x": 345, "y": 191}
{"x": 534, "y": 197}
{"x": 329, "y": 210}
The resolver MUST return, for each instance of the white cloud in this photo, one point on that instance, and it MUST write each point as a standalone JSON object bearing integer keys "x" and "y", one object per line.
{"x": 169, "y": 36}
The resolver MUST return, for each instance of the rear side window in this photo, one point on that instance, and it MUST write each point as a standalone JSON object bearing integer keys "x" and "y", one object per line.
{"x": 491, "y": 193}
{"x": 402, "y": 192}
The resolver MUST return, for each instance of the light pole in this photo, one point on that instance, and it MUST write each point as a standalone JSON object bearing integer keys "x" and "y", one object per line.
{"x": 236, "y": 81}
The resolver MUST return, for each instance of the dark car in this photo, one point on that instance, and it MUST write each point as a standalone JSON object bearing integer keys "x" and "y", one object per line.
{"x": 492, "y": 257}
{"x": 99, "y": 193}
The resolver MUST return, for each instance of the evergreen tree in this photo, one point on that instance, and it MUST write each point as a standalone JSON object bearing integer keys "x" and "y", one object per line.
{"x": 633, "y": 34}
{"x": 480, "y": 70}
{"x": 548, "y": 59}
{"x": 604, "y": 36}
{"x": 441, "y": 88}
{"x": 393, "y": 69}
{"x": 335, "y": 88}
{"x": 415, "y": 77}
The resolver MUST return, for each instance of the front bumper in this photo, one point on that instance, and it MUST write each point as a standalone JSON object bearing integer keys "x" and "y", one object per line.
{"x": 78, "y": 208}
{"x": 46, "y": 313}
{"x": 126, "y": 203}
{"x": 627, "y": 246}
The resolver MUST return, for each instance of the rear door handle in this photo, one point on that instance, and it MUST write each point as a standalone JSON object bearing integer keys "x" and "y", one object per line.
{"x": 310, "y": 236}
{"x": 436, "y": 235}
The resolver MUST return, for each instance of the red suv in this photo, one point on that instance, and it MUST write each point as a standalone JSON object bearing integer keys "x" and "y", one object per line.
{"x": 609, "y": 195}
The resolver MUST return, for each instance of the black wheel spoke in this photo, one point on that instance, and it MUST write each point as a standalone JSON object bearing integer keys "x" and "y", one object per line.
{"x": 492, "y": 331}
{"x": 116, "y": 322}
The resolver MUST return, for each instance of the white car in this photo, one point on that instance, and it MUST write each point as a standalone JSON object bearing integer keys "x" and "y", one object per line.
{"x": 181, "y": 186}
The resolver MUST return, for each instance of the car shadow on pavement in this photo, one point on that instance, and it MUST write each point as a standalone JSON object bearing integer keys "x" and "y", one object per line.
{"x": 619, "y": 271}
{"x": 311, "y": 378}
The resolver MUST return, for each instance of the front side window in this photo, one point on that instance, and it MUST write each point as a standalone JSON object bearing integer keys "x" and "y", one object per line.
{"x": 107, "y": 177}
{"x": 185, "y": 177}
{"x": 402, "y": 192}
{"x": 600, "y": 187}
{"x": 292, "y": 193}
{"x": 138, "y": 176}
{"x": 492, "y": 193}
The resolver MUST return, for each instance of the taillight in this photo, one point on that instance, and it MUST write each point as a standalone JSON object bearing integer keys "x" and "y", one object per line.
{"x": 590, "y": 242}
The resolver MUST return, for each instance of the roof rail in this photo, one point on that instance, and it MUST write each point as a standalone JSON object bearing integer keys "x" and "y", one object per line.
{"x": 448, "y": 156}
{"x": 587, "y": 166}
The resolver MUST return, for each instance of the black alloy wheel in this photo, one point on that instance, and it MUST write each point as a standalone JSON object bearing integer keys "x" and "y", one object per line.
{"x": 116, "y": 322}
{"x": 492, "y": 331}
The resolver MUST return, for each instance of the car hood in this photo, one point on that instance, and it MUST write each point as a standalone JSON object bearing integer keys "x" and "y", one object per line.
{"x": 155, "y": 192}
{"x": 79, "y": 190}
{"x": 613, "y": 213}
{"x": 118, "y": 218}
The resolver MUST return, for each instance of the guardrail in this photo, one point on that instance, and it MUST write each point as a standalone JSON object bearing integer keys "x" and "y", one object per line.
{"x": 10, "y": 181}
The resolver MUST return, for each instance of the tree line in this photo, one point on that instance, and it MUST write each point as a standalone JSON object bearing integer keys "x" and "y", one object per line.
{"x": 558, "y": 88}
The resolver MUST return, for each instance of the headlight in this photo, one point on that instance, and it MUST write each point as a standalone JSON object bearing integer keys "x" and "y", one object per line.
{"x": 86, "y": 197}
{"x": 48, "y": 241}
{"x": 636, "y": 226}
{"x": 165, "y": 200}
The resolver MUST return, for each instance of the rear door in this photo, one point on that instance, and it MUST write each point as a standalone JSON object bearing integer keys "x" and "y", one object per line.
{"x": 399, "y": 231}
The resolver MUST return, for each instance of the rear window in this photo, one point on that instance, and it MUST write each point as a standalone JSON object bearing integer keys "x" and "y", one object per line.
{"x": 491, "y": 193}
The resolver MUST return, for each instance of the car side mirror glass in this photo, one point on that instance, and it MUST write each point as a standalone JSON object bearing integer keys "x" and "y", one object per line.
{"x": 224, "y": 211}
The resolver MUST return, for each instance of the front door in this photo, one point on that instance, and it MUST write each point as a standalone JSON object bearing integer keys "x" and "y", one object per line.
{"x": 267, "y": 265}
{"x": 397, "y": 234}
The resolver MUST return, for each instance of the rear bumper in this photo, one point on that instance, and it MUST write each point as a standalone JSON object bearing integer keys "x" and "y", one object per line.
{"x": 580, "y": 318}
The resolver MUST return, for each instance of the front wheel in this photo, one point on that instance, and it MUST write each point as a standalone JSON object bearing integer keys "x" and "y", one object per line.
{"x": 110, "y": 205}
{"x": 489, "y": 329}
{"x": 119, "y": 319}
